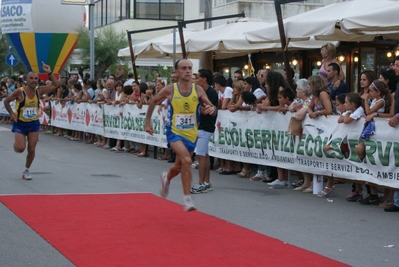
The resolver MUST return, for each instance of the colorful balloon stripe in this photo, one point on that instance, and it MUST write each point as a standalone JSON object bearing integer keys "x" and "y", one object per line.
{"x": 66, "y": 51}
{"x": 52, "y": 48}
{"x": 57, "y": 43}
{"x": 15, "y": 39}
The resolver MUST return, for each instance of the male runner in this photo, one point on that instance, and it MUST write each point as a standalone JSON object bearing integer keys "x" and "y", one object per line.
{"x": 26, "y": 114}
{"x": 181, "y": 127}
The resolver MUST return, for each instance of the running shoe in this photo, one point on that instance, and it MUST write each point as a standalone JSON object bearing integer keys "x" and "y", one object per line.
{"x": 26, "y": 175}
{"x": 208, "y": 186}
{"x": 298, "y": 183}
{"x": 277, "y": 183}
{"x": 164, "y": 191}
{"x": 198, "y": 189}
{"x": 371, "y": 200}
{"x": 188, "y": 204}
{"x": 355, "y": 197}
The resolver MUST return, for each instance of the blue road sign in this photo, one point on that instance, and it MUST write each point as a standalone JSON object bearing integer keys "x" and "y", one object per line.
{"x": 11, "y": 60}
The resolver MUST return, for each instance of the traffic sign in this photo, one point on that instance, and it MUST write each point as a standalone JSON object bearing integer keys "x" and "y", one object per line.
{"x": 11, "y": 60}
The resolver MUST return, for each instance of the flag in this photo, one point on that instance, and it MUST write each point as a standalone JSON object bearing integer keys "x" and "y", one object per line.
{"x": 251, "y": 69}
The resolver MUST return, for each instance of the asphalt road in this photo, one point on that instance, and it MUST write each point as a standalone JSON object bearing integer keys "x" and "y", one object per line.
{"x": 348, "y": 232}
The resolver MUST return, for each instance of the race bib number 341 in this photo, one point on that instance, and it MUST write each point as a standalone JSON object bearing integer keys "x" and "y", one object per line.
{"x": 185, "y": 122}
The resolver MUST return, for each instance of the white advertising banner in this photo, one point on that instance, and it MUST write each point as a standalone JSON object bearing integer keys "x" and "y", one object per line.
{"x": 246, "y": 136}
{"x": 81, "y": 117}
{"x": 263, "y": 139}
{"x": 16, "y": 16}
{"x": 3, "y": 111}
{"x": 43, "y": 117}
{"x": 128, "y": 123}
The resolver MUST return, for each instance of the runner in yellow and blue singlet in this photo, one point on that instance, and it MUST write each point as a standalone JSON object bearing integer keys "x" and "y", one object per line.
{"x": 182, "y": 118}
{"x": 26, "y": 114}
{"x": 182, "y": 125}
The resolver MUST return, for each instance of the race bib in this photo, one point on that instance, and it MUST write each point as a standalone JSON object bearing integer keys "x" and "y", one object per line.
{"x": 29, "y": 113}
{"x": 185, "y": 122}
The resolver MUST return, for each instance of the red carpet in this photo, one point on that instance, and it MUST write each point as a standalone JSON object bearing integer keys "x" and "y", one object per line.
{"x": 146, "y": 230}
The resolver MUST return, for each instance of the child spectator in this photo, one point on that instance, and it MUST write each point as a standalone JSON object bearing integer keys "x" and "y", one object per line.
{"x": 381, "y": 103}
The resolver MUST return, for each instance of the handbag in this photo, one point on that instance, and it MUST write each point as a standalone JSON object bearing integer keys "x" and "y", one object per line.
{"x": 295, "y": 127}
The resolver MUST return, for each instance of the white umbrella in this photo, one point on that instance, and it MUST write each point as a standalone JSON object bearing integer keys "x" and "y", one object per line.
{"x": 225, "y": 41}
{"x": 358, "y": 20}
{"x": 158, "y": 47}
{"x": 228, "y": 40}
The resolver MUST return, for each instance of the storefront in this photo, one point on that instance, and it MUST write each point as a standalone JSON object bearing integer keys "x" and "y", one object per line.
{"x": 353, "y": 57}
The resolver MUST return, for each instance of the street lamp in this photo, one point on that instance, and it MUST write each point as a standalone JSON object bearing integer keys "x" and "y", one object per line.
{"x": 91, "y": 27}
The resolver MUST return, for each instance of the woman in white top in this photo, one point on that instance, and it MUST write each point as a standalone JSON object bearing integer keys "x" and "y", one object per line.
{"x": 380, "y": 104}
{"x": 250, "y": 84}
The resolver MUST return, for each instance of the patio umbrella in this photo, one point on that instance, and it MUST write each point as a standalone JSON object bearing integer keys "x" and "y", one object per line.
{"x": 228, "y": 40}
{"x": 225, "y": 41}
{"x": 160, "y": 46}
{"x": 358, "y": 20}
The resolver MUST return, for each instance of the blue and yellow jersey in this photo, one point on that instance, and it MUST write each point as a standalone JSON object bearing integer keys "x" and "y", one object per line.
{"x": 183, "y": 113}
{"x": 28, "y": 109}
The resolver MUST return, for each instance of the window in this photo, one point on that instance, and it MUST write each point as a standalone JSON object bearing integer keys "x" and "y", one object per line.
{"x": 109, "y": 11}
{"x": 202, "y": 6}
{"x": 98, "y": 15}
{"x": 159, "y": 9}
{"x": 172, "y": 9}
{"x": 147, "y": 9}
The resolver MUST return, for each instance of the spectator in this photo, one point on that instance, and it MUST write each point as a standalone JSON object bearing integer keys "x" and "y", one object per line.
{"x": 119, "y": 73}
{"x": 320, "y": 105}
{"x": 328, "y": 53}
{"x": 333, "y": 71}
{"x": 285, "y": 98}
{"x": 381, "y": 103}
{"x": 300, "y": 106}
{"x": 206, "y": 128}
{"x": 275, "y": 82}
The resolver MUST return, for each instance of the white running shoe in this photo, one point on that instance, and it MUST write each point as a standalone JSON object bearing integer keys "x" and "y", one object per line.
{"x": 26, "y": 175}
{"x": 198, "y": 189}
{"x": 277, "y": 183}
{"x": 164, "y": 191}
{"x": 208, "y": 187}
{"x": 188, "y": 204}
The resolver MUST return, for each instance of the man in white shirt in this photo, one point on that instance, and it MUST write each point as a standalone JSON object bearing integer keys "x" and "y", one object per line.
{"x": 130, "y": 79}
{"x": 225, "y": 92}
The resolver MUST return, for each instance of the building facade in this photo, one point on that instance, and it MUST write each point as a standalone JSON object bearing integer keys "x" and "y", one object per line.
{"x": 130, "y": 15}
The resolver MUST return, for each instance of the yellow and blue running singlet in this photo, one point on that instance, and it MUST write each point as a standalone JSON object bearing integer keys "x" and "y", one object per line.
{"x": 28, "y": 109}
{"x": 183, "y": 114}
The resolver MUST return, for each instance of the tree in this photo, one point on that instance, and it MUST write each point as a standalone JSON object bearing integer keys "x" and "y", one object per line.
{"x": 163, "y": 71}
{"x": 4, "y": 50}
{"x": 107, "y": 43}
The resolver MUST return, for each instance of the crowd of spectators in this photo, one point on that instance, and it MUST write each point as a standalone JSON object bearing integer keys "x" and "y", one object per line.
{"x": 323, "y": 94}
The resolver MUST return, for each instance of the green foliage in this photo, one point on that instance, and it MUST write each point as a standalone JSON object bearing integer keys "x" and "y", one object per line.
{"x": 141, "y": 73}
{"x": 5, "y": 69}
{"x": 107, "y": 43}
{"x": 163, "y": 71}
{"x": 114, "y": 68}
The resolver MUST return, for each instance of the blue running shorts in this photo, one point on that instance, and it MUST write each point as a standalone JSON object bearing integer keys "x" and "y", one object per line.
{"x": 171, "y": 138}
{"x": 25, "y": 127}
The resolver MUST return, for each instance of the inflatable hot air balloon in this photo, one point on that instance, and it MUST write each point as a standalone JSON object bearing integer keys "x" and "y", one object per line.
{"x": 42, "y": 30}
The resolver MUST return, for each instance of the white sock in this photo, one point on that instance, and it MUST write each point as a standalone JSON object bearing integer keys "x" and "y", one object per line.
{"x": 26, "y": 169}
{"x": 187, "y": 197}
